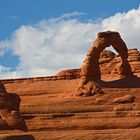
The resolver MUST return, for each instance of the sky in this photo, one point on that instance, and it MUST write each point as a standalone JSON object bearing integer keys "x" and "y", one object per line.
{"x": 42, "y": 37}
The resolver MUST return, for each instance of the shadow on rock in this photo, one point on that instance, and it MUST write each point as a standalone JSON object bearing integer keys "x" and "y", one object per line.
{"x": 21, "y": 137}
{"x": 127, "y": 82}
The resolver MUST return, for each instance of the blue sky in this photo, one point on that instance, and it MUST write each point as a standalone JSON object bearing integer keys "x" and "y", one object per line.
{"x": 14, "y": 13}
{"x": 23, "y": 18}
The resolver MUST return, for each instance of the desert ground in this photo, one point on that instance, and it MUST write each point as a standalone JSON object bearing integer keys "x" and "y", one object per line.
{"x": 51, "y": 111}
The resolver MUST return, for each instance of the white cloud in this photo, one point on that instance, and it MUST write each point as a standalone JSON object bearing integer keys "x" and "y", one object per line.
{"x": 61, "y": 43}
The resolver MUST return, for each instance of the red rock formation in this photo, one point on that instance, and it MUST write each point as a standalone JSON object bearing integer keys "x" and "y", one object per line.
{"x": 68, "y": 74}
{"x": 90, "y": 69}
{"x": 9, "y": 109}
{"x": 124, "y": 99}
{"x": 133, "y": 55}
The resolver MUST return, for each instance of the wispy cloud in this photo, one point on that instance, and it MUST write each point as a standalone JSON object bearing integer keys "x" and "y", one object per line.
{"x": 13, "y": 17}
{"x": 62, "y": 42}
{"x": 73, "y": 14}
{"x": 65, "y": 16}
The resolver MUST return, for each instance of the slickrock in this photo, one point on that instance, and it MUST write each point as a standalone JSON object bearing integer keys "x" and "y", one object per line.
{"x": 125, "y": 99}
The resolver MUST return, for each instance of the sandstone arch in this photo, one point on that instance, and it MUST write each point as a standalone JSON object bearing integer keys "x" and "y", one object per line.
{"x": 90, "y": 69}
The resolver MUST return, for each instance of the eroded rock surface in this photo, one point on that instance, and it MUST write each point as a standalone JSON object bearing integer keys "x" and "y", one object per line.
{"x": 125, "y": 99}
{"x": 9, "y": 109}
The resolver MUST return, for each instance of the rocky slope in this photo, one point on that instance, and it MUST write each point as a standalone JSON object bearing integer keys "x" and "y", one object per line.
{"x": 52, "y": 112}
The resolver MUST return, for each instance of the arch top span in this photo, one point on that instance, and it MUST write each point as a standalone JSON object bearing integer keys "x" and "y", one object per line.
{"x": 90, "y": 69}
{"x": 111, "y": 38}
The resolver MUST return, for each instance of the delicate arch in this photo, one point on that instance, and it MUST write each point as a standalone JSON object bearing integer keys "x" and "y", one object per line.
{"x": 90, "y": 69}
